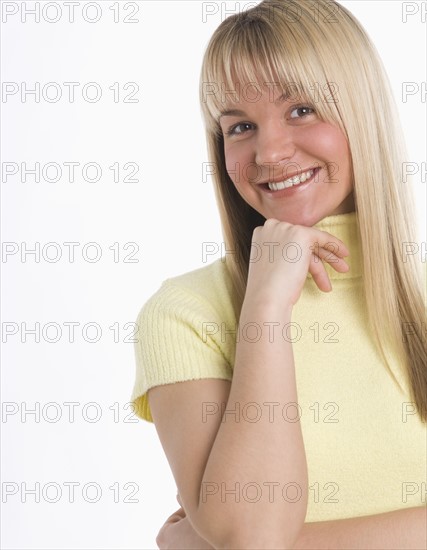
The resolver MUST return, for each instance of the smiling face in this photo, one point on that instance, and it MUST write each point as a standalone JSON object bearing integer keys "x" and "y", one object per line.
{"x": 285, "y": 161}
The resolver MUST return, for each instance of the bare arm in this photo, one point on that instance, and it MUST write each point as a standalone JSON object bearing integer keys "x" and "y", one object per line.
{"x": 397, "y": 530}
{"x": 400, "y": 529}
{"x": 258, "y": 459}
{"x": 233, "y": 494}
{"x": 231, "y": 474}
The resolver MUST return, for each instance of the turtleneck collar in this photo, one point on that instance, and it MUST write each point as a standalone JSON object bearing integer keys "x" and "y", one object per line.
{"x": 346, "y": 228}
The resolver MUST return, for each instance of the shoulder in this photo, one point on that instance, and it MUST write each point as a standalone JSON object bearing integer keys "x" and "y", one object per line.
{"x": 180, "y": 333}
{"x": 190, "y": 310}
{"x": 207, "y": 289}
{"x": 207, "y": 281}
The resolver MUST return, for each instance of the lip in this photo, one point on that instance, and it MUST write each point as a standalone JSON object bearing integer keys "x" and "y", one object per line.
{"x": 289, "y": 176}
{"x": 289, "y": 191}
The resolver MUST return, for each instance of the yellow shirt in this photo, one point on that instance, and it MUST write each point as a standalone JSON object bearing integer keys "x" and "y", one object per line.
{"x": 366, "y": 448}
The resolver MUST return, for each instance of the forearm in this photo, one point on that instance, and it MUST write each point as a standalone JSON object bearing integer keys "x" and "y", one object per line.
{"x": 396, "y": 530}
{"x": 400, "y": 529}
{"x": 268, "y": 454}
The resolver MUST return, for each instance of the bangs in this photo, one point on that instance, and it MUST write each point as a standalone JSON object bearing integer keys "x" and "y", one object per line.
{"x": 251, "y": 57}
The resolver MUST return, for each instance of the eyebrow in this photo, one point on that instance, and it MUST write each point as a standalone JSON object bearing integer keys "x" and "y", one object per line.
{"x": 238, "y": 112}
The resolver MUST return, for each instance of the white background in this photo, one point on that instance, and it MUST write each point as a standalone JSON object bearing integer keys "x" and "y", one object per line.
{"x": 168, "y": 213}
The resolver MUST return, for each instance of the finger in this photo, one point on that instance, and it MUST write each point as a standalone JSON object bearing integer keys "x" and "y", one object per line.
{"x": 326, "y": 255}
{"x": 330, "y": 242}
{"x": 318, "y": 272}
{"x": 176, "y": 516}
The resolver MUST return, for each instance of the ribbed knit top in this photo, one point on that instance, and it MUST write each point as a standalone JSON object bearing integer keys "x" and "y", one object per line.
{"x": 366, "y": 448}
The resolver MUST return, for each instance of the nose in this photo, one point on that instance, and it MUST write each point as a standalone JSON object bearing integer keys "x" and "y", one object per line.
{"x": 274, "y": 145}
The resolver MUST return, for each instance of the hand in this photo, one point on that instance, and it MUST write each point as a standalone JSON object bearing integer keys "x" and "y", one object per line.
{"x": 177, "y": 532}
{"x": 281, "y": 256}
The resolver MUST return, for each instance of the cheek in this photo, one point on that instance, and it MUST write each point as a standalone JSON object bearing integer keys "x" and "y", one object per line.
{"x": 330, "y": 144}
{"x": 239, "y": 163}
{"x": 231, "y": 161}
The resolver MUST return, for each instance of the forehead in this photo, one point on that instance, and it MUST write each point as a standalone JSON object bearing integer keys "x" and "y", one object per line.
{"x": 229, "y": 100}
{"x": 236, "y": 79}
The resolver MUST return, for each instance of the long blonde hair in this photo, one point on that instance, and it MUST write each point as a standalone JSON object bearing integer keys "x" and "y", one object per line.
{"x": 326, "y": 57}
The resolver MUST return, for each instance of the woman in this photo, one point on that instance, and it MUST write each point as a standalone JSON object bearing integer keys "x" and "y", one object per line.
{"x": 299, "y": 418}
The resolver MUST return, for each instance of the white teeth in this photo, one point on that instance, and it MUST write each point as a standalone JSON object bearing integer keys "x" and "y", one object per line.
{"x": 291, "y": 181}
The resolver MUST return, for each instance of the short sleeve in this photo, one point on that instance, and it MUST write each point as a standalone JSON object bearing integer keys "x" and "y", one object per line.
{"x": 177, "y": 340}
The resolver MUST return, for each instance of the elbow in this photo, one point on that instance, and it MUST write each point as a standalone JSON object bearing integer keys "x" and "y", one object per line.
{"x": 275, "y": 524}
{"x": 262, "y": 535}
{"x": 258, "y": 541}
{"x": 234, "y": 533}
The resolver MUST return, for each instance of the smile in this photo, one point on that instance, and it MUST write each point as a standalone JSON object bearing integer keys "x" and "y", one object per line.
{"x": 290, "y": 182}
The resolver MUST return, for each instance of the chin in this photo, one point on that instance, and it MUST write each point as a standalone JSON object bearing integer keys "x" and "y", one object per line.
{"x": 307, "y": 219}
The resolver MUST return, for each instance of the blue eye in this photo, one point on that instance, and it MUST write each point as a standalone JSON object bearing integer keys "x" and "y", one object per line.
{"x": 233, "y": 130}
{"x": 302, "y": 110}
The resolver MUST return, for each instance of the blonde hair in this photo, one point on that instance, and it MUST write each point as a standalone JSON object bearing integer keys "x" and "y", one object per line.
{"x": 326, "y": 57}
